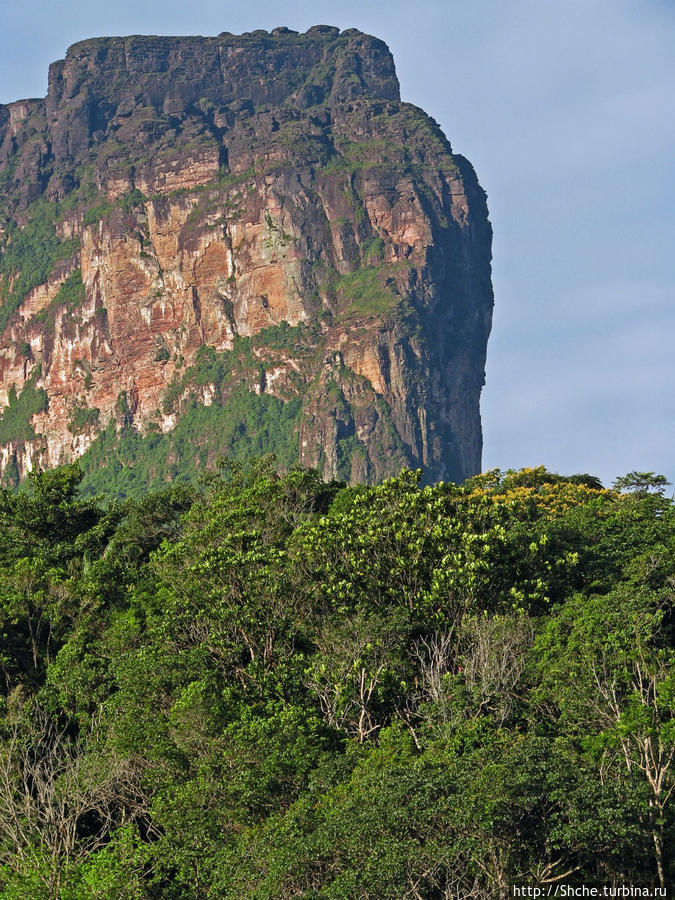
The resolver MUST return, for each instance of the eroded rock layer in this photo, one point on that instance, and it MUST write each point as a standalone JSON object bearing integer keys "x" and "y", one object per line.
{"x": 190, "y": 222}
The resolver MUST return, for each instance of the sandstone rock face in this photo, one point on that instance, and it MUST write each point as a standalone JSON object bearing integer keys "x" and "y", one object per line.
{"x": 265, "y": 195}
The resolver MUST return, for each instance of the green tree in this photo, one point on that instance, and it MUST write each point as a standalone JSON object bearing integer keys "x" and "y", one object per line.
{"x": 642, "y": 483}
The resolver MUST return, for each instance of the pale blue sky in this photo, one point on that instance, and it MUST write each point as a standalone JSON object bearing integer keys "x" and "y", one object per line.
{"x": 567, "y": 111}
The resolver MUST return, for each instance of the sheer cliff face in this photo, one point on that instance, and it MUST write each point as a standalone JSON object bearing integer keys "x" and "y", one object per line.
{"x": 172, "y": 193}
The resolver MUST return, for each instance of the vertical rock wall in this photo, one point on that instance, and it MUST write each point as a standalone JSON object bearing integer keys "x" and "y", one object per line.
{"x": 267, "y": 195}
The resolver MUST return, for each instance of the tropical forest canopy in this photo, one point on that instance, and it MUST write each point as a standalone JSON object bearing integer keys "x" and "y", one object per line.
{"x": 268, "y": 686}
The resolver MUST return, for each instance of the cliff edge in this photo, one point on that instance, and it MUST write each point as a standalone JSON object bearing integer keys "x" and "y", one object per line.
{"x": 236, "y": 244}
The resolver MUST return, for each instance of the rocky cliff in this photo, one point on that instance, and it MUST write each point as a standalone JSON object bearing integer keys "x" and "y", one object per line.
{"x": 250, "y": 234}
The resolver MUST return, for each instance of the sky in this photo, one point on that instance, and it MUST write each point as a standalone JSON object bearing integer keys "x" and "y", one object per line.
{"x": 567, "y": 112}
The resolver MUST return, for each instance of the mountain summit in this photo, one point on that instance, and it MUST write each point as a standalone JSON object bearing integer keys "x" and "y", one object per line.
{"x": 232, "y": 245}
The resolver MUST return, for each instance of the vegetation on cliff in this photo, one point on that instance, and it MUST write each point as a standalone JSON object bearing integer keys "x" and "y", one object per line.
{"x": 123, "y": 464}
{"x": 266, "y": 193}
{"x": 269, "y": 686}
{"x": 15, "y": 421}
{"x": 28, "y": 256}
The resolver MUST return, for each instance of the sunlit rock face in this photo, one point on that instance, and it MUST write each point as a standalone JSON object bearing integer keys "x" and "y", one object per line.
{"x": 171, "y": 193}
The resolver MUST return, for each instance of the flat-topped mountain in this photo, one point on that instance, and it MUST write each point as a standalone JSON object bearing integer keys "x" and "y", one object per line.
{"x": 233, "y": 245}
